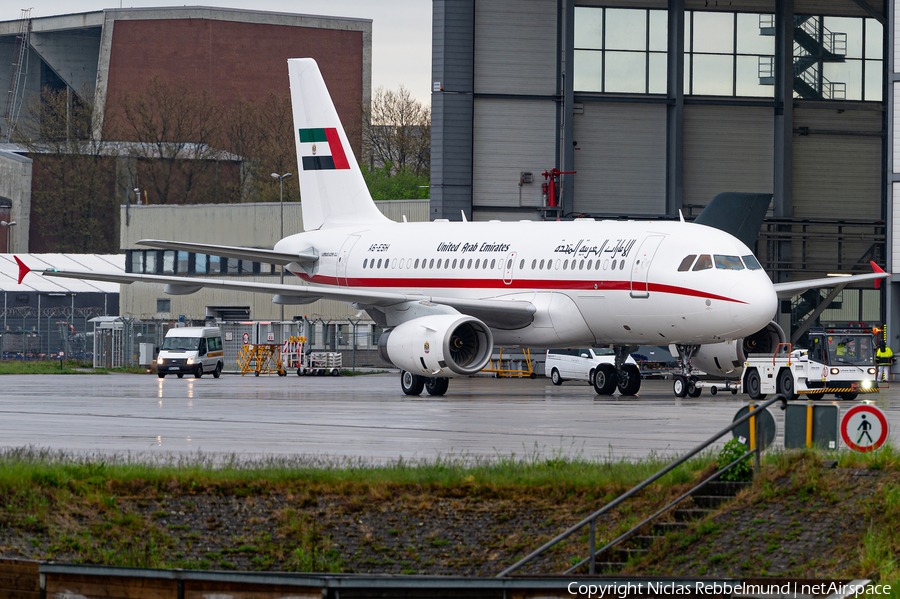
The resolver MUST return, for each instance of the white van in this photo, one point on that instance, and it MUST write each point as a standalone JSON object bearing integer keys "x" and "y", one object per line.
{"x": 191, "y": 350}
{"x": 577, "y": 364}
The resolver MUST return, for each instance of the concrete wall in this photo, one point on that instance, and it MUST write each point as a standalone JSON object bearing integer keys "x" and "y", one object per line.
{"x": 15, "y": 184}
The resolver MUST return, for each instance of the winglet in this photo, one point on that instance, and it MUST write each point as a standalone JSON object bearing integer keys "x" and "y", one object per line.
{"x": 23, "y": 270}
{"x": 877, "y": 268}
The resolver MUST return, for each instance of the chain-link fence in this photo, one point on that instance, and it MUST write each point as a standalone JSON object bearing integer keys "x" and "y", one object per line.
{"x": 31, "y": 334}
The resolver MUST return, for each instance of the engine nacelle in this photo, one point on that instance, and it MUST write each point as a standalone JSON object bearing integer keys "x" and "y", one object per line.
{"x": 727, "y": 359}
{"x": 443, "y": 345}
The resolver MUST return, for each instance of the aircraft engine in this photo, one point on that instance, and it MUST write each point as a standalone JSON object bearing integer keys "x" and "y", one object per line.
{"x": 727, "y": 359}
{"x": 444, "y": 345}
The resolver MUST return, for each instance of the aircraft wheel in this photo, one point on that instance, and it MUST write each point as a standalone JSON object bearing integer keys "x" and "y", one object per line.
{"x": 411, "y": 384}
{"x": 605, "y": 379}
{"x": 161, "y": 375}
{"x": 629, "y": 379}
{"x": 218, "y": 371}
{"x": 753, "y": 384}
{"x": 786, "y": 384}
{"x": 555, "y": 378}
{"x": 848, "y": 396}
{"x": 180, "y": 375}
{"x": 436, "y": 387}
{"x": 680, "y": 386}
{"x": 693, "y": 390}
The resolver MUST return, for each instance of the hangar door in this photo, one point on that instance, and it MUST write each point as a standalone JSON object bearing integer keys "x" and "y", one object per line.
{"x": 727, "y": 148}
{"x": 620, "y": 159}
{"x": 509, "y": 137}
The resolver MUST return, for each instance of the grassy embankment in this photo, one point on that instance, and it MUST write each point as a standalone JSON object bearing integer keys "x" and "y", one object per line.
{"x": 60, "y": 367}
{"x": 440, "y": 516}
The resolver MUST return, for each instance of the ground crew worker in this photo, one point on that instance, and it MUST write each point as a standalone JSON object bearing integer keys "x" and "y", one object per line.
{"x": 883, "y": 357}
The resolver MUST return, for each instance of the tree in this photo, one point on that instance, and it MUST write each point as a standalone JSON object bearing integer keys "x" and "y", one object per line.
{"x": 73, "y": 197}
{"x": 175, "y": 130}
{"x": 396, "y": 132}
{"x": 262, "y": 134}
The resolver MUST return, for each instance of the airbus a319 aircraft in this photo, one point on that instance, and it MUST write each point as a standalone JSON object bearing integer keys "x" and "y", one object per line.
{"x": 448, "y": 292}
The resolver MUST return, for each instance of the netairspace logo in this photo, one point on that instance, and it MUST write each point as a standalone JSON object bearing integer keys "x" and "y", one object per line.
{"x": 624, "y": 590}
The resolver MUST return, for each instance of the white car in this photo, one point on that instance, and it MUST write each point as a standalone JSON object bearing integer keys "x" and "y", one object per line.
{"x": 577, "y": 364}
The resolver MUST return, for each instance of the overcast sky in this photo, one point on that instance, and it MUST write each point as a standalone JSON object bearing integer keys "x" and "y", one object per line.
{"x": 401, "y": 29}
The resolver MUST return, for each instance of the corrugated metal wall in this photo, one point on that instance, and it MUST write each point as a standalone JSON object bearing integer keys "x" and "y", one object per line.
{"x": 515, "y": 47}
{"x": 511, "y": 136}
{"x": 727, "y": 148}
{"x": 832, "y": 172}
{"x": 621, "y": 159}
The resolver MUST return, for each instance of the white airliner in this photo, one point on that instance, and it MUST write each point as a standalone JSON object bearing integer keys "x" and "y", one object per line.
{"x": 449, "y": 291}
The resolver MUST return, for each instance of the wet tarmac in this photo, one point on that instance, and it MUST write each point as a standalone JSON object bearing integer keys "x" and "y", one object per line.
{"x": 361, "y": 417}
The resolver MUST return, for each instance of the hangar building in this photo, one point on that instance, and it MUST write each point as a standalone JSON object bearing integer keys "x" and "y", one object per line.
{"x": 233, "y": 54}
{"x": 659, "y": 105}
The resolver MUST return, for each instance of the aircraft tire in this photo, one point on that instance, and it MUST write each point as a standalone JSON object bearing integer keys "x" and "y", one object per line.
{"x": 752, "y": 383}
{"x": 629, "y": 379}
{"x": 555, "y": 378}
{"x": 693, "y": 390}
{"x": 605, "y": 379}
{"x": 680, "y": 386}
{"x": 411, "y": 384}
{"x": 436, "y": 386}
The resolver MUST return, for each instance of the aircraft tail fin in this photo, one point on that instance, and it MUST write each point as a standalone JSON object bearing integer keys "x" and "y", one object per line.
{"x": 740, "y": 214}
{"x": 333, "y": 192}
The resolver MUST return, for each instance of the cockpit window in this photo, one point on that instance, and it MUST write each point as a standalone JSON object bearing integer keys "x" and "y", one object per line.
{"x": 751, "y": 262}
{"x": 729, "y": 262}
{"x": 686, "y": 263}
{"x": 703, "y": 262}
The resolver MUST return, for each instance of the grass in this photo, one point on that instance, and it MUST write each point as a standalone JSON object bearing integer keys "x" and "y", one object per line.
{"x": 63, "y": 367}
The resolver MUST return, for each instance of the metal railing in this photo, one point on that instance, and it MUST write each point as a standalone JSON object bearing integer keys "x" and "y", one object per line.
{"x": 591, "y": 520}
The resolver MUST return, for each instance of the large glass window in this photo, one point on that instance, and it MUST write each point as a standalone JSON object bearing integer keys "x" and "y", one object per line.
{"x": 620, "y": 50}
{"x": 726, "y": 54}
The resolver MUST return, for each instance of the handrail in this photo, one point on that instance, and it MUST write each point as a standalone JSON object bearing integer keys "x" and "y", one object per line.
{"x": 627, "y": 495}
{"x": 625, "y": 536}
{"x": 775, "y": 353}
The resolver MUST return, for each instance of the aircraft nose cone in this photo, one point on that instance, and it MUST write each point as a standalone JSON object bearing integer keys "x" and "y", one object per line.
{"x": 755, "y": 304}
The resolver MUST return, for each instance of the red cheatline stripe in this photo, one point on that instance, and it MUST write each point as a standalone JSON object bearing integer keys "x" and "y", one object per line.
{"x": 337, "y": 150}
{"x": 542, "y": 284}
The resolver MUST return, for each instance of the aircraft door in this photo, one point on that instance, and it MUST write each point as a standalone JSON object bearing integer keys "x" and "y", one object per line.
{"x": 344, "y": 259}
{"x": 509, "y": 264}
{"x": 640, "y": 270}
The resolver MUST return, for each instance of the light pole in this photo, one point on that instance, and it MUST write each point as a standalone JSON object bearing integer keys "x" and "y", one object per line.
{"x": 281, "y": 179}
{"x": 3, "y": 223}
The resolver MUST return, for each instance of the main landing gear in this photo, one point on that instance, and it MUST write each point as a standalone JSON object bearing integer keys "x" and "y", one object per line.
{"x": 413, "y": 384}
{"x": 625, "y": 377}
{"x": 685, "y": 383}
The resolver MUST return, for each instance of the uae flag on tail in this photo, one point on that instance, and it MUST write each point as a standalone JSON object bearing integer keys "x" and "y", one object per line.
{"x": 321, "y": 149}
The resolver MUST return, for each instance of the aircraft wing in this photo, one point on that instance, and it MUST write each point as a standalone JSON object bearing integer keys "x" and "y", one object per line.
{"x": 229, "y": 251}
{"x": 505, "y": 314}
{"x": 792, "y": 288}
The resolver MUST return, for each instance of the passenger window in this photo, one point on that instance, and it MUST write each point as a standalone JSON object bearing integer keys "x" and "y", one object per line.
{"x": 573, "y": 264}
{"x": 401, "y": 264}
{"x": 728, "y": 262}
{"x": 439, "y": 263}
{"x": 613, "y": 265}
{"x": 704, "y": 262}
{"x": 492, "y": 263}
{"x": 521, "y": 264}
{"x": 469, "y": 265}
{"x": 387, "y": 262}
{"x": 686, "y": 263}
{"x": 565, "y": 265}
{"x": 751, "y": 262}
{"x": 394, "y": 263}
{"x": 597, "y": 266}
{"x": 533, "y": 264}
{"x": 622, "y": 265}
{"x": 477, "y": 263}
{"x": 364, "y": 263}
{"x": 417, "y": 263}
{"x": 409, "y": 263}
{"x": 379, "y": 263}
{"x": 454, "y": 263}
{"x": 541, "y": 266}
{"x": 509, "y": 264}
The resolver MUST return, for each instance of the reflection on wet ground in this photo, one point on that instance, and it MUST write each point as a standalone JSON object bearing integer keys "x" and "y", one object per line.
{"x": 365, "y": 416}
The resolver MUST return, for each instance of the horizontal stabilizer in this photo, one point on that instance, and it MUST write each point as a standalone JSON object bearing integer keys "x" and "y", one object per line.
{"x": 236, "y": 252}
